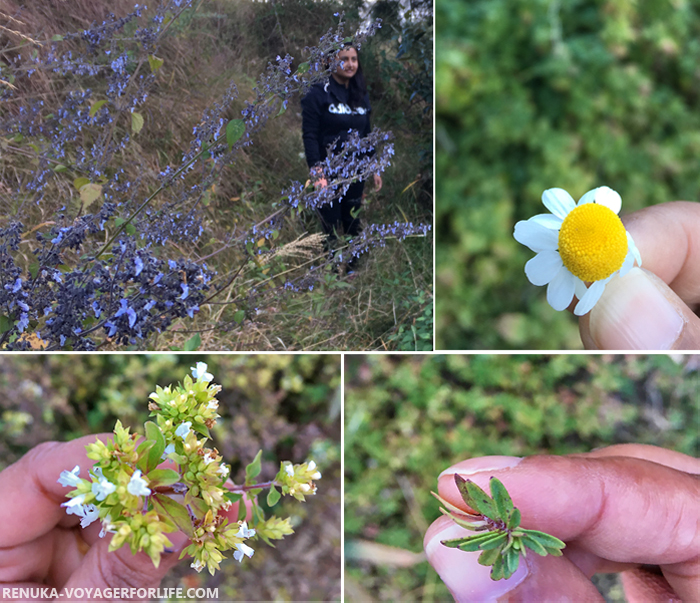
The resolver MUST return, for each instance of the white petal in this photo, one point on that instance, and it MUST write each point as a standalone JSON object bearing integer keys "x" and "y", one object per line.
{"x": 560, "y": 291}
{"x": 558, "y": 201}
{"x": 535, "y": 236}
{"x": 548, "y": 221}
{"x": 633, "y": 248}
{"x": 589, "y": 197}
{"x": 591, "y": 298}
{"x": 628, "y": 264}
{"x": 580, "y": 288}
{"x": 541, "y": 269}
{"x": 609, "y": 198}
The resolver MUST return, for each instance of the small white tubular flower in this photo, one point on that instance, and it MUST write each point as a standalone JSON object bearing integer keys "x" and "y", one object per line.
{"x": 197, "y": 565}
{"x": 290, "y": 470}
{"x": 316, "y": 475}
{"x": 75, "y": 505}
{"x": 90, "y": 514}
{"x": 137, "y": 485}
{"x": 169, "y": 449}
{"x": 213, "y": 405}
{"x": 305, "y": 487}
{"x": 243, "y": 549}
{"x": 245, "y": 531}
{"x": 200, "y": 372}
{"x": 102, "y": 488}
{"x": 577, "y": 243}
{"x": 70, "y": 479}
{"x": 222, "y": 471}
{"x": 183, "y": 429}
{"x": 311, "y": 465}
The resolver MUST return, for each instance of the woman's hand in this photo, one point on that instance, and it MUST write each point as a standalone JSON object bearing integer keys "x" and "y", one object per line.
{"x": 629, "y": 508}
{"x": 653, "y": 307}
{"x": 41, "y": 545}
{"x": 318, "y": 178}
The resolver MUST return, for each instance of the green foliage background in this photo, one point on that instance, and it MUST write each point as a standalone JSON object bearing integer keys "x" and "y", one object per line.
{"x": 287, "y": 405}
{"x": 534, "y": 94}
{"x": 408, "y": 418}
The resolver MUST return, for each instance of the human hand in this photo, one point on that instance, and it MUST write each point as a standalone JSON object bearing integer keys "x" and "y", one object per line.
{"x": 618, "y": 509}
{"x": 377, "y": 183}
{"x": 654, "y": 307}
{"x": 318, "y": 178}
{"x": 41, "y": 545}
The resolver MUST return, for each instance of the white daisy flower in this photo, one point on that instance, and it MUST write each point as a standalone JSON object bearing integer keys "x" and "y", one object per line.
{"x": 577, "y": 244}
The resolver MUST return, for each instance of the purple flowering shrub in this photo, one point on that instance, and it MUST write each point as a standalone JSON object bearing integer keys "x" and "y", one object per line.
{"x": 101, "y": 246}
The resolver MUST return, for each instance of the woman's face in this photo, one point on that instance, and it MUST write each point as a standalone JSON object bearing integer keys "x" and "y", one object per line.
{"x": 347, "y": 65}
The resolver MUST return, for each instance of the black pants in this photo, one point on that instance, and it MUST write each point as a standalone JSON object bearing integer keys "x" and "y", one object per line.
{"x": 337, "y": 218}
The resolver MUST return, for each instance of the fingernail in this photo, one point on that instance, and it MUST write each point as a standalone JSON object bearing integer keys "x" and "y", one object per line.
{"x": 481, "y": 464}
{"x": 636, "y": 311}
{"x": 461, "y": 572}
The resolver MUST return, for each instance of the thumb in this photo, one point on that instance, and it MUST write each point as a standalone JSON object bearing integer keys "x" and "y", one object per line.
{"x": 639, "y": 311}
{"x": 101, "y": 569}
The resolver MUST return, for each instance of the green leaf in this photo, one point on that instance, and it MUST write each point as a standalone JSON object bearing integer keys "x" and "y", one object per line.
{"x": 501, "y": 499}
{"x": 78, "y": 183}
{"x": 155, "y": 62}
{"x": 57, "y": 38}
{"x": 142, "y": 451}
{"x": 473, "y": 543}
{"x": 514, "y": 519}
{"x": 136, "y": 122}
{"x": 234, "y": 130}
{"x": 234, "y": 497}
{"x": 512, "y": 559}
{"x": 489, "y": 557}
{"x": 5, "y": 324}
{"x": 89, "y": 193}
{"x": 534, "y": 544}
{"x": 253, "y": 470}
{"x": 303, "y": 68}
{"x": 34, "y": 268}
{"x": 96, "y": 107}
{"x": 549, "y": 542}
{"x": 175, "y": 511}
{"x": 60, "y": 168}
{"x": 242, "y": 512}
{"x": 163, "y": 477}
{"x": 239, "y": 316}
{"x": 154, "y": 434}
{"x": 475, "y": 498}
{"x": 193, "y": 343}
{"x": 273, "y": 497}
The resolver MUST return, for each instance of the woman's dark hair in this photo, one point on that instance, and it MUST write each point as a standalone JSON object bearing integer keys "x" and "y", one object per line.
{"x": 357, "y": 87}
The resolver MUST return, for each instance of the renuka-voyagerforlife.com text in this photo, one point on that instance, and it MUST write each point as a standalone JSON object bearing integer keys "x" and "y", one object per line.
{"x": 109, "y": 593}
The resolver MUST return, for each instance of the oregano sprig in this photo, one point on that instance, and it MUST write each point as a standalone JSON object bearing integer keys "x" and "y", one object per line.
{"x": 138, "y": 502}
{"x": 497, "y": 523}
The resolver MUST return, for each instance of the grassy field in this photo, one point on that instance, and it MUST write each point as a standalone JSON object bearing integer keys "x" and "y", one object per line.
{"x": 205, "y": 49}
{"x": 407, "y": 418}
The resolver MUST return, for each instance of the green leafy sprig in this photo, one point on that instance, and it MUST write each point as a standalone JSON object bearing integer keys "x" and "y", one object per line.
{"x": 500, "y": 537}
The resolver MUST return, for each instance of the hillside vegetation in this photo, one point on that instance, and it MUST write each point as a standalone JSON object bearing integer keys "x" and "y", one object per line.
{"x": 223, "y": 254}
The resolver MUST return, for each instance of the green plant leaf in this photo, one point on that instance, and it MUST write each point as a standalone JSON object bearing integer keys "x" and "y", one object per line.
{"x": 475, "y": 498}
{"x": 155, "y": 62}
{"x": 78, "y": 183}
{"x": 163, "y": 477}
{"x": 89, "y": 193}
{"x": 489, "y": 557}
{"x": 234, "y": 130}
{"x": 273, "y": 497}
{"x": 193, "y": 343}
{"x": 136, "y": 122}
{"x": 501, "y": 499}
{"x": 96, "y": 107}
{"x": 175, "y": 511}
{"x": 155, "y": 454}
{"x": 549, "y": 542}
{"x": 514, "y": 519}
{"x": 253, "y": 469}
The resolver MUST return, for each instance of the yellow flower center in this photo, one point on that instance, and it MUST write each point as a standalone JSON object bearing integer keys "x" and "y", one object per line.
{"x": 592, "y": 242}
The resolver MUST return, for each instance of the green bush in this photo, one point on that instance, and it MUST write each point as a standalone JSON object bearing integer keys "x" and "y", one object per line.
{"x": 538, "y": 94}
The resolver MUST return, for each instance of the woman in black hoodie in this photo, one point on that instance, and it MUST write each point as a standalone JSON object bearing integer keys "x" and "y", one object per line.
{"x": 329, "y": 111}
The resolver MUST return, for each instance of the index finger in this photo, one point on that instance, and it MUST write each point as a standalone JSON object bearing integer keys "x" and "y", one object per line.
{"x": 668, "y": 238}
{"x": 32, "y": 493}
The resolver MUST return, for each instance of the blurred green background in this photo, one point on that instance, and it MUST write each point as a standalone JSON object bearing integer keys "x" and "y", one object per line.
{"x": 535, "y": 94}
{"x": 288, "y": 405}
{"x": 407, "y": 418}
